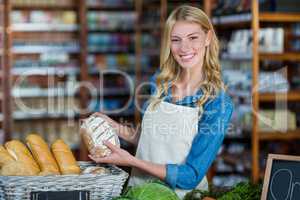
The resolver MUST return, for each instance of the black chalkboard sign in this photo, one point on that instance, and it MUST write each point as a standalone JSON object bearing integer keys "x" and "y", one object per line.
{"x": 60, "y": 195}
{"x": 282, "y": 178}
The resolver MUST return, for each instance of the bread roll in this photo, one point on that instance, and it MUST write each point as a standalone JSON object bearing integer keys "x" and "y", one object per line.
{"x": 94, "y": 130}
{"x": 15, "y": 168}
{"x": 42, "y": 155}
{"x": 5, "y": 157}
{"x": 23, "y": 158}
{"x": 95, "y": 170}
{"x": 64, "y": 157}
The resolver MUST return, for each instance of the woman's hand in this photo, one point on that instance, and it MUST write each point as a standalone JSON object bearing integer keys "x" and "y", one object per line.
{"x": 118, "y": 156}
{"x": 112, "y": 122}
{"x": 129, "y": 134}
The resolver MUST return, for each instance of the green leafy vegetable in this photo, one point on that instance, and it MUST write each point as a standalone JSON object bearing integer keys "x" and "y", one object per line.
{"x": 149, "y": 191}
{"x": 242, "y": 191}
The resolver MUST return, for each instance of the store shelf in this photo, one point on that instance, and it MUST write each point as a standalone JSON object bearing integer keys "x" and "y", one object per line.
{"x": 115, "y": 91}
{"x": 288, "y": 135}
{"x": 280, "y": 56}
{"x": 289, "y": 96}
{"x": 30, "y": 27}
{"x": 20, "y": 115}
{"x": 279, "y": 17}
{"x": 237, "y": 57}
{"x": 110, "y": 8}
{"x": 38, "y": 92}
{"x": 45, "y": 71}
{"x": 90, "y": 51}
{"x": 41, "y": 49}
{"x": 99, "y": 30}
{"x": 44, "y": 7}
{"x": 232, "y": 20}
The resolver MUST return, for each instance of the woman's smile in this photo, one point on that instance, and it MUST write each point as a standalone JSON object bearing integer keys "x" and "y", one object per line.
{"x": 187, "y": 57}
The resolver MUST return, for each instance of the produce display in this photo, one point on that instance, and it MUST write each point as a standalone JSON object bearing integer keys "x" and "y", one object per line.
{"x": 94, "y": 131}
{"x": 149, "y": 191}
{"x": 242, "y": 191}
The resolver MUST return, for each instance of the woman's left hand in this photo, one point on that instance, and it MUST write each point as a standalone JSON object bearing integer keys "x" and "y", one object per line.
{"x": 118, "y": 156}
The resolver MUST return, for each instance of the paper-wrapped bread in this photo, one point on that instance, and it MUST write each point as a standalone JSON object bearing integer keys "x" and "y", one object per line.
{"x": 24, "y": 164}
{"x": 42, "y": 155}
{"x": 65, "y": 158}
{"x": 95, "y": 170}
{"x": 94, "y": 130}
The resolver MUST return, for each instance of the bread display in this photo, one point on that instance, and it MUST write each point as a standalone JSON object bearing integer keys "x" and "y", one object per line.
{"x": 65, "y": 158}
{"x": 94, "y": 130}
{"x": 22, "y": 157}
{"x": 38, "y": 160}
{"x": 42, "y": 155}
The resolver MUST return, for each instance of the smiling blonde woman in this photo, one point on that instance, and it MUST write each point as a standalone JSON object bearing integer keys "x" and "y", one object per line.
{"x": 185, "y": 123}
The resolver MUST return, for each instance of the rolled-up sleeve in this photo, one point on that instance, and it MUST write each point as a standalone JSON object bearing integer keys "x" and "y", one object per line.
{"x": 211, "y": 130}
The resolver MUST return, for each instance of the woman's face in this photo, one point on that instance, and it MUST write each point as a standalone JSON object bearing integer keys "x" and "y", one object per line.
{"x": 188, "y": 42}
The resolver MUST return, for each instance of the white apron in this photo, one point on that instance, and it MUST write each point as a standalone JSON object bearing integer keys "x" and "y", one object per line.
{"x": 166, "y": 138}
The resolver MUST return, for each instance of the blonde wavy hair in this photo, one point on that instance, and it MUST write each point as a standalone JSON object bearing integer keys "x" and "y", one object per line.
{"x": 170, "y": 69}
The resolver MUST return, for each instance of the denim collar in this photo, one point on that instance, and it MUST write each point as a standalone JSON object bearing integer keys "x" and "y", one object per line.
{"x": 187, "y": 100}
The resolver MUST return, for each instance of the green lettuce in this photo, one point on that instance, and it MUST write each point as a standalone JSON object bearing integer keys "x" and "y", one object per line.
{"x": 149, "y": 191}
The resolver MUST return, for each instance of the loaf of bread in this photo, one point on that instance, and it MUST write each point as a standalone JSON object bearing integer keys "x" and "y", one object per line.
{"x": 65, "y": 158}
{"x": 42, "y": 155}
{"x": 15, "y": 168}
{"x": 5, "y": 157}
{"x": 24, "y": 162}
{"x": 94, "y": 130}
{"x": 95, "y": 170}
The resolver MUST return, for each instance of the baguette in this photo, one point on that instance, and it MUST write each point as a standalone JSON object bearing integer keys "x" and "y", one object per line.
{"x": 65, "y": 158}
{"x": 5, "y": 157}
{"x": 42, "y": 155}
{"x": 25, "y": 164}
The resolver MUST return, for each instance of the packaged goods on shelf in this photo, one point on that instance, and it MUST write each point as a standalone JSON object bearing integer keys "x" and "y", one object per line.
{"x": 273, "y": 82}
{"x": 296, "y": 29}
{"x": 45, "y": 47}
{"x": 271, "y": 40}
{"x": 46, "y": 63}
{"x": 123, "y": 62}
{"x": 42, "y": 2}
{"x": 109, "y": 21}
{"x": 149, "y": 42}
{"x": 277, "y": 120}
{"x": 149, "y": 20}
{"x": 109, "y": 3}
{"x": 105, "y": 43}
{"x": 42, "y": 17}
{"x": 228, "y": 7}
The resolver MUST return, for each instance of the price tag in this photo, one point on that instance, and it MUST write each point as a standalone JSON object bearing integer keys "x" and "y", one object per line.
{"x": 60, "y": 195}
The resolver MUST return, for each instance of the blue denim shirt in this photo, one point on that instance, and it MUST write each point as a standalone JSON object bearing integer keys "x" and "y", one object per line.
{"x": 211, "y": 131}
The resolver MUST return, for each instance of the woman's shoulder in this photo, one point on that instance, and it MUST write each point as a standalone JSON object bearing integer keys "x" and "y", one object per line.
{"x": 222, "y": 98}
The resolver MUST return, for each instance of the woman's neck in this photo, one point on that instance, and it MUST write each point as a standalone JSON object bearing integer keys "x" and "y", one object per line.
{"x": 187, "y": 84}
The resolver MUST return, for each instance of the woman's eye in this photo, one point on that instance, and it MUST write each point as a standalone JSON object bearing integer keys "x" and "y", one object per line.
{"x": 174, "y": 40}
{"x": 193, "y": 38}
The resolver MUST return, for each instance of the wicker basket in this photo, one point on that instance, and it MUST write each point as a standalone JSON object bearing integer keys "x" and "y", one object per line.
{"x": 102, "y": 186}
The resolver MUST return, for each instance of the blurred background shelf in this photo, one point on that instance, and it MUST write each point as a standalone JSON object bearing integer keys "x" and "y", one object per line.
{"x": 287, "y": 135}
{"x": 289, "y": 96}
